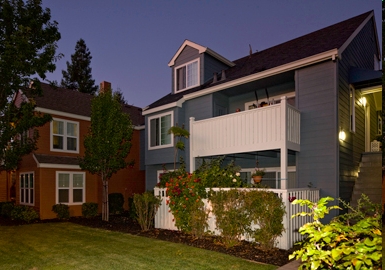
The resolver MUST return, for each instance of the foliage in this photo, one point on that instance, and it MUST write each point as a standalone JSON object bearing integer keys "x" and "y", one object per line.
{"x": 108, "y": 142}
{"x": 6, "y": 208}
{"x": 349, "y": 241}
{"x": 186, "y": 193}
{"x": 146, "y": 206}
{"x": 179, "y": 133}
{"x": 266, "y": 210}
{"x": 89, "y": 209}
{"x": 215, "y": 174}
{"x": 78, "y": 75}
{"x": 62, "y": 211}
{"x": 24, "y": 213}
{"x": 258, "y": 172}
{"x": 115, "y": 203}
{"x": 257, "y": 213}
{"x": 231, "y": 217}
{"x": 166, "y": 175}
{"x": 28, "y": 42}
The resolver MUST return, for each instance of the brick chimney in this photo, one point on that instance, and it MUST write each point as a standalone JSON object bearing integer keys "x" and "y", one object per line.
{"x": 104, "y": 86}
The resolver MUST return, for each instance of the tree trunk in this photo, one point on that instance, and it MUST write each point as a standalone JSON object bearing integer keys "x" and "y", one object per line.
{"x": 105, "y": 210}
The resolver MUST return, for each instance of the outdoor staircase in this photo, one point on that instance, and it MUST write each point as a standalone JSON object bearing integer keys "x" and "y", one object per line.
{"x": 369, "y": 178}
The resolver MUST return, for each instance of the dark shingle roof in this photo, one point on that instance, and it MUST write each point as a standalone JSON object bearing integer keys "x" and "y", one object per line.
{"x": 329, "y": 38}
{"x": 48, "y": 159}
{"x": 74, "y": 102}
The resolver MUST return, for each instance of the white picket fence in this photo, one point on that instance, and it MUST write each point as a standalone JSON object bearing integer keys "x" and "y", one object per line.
{"x": 164, "y": 218}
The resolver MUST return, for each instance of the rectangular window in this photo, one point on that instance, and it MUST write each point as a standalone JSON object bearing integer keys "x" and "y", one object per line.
{"x": 70, "y": 187}
{"x": 187, "y": 76}
{"x": 352, "y": 105}
{"x": 158, "y": 132}
{"x": 27, "y": 184}
{"x": 64, "y": 136}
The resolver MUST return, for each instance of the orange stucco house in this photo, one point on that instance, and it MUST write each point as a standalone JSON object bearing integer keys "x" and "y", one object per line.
{"x": 52, "y": 175}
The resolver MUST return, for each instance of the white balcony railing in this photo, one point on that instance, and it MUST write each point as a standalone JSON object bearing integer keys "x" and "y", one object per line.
{"x": 273, "y": 127}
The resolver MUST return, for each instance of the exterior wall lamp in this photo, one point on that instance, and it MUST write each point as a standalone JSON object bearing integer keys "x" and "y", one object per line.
{"x": 342, "y": 135}
{"x": 362, "y": 101}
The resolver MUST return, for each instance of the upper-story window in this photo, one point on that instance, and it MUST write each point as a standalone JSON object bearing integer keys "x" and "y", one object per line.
{"x": 64, "y": 136}
{"x": 187, "y": 75}
{"x": 158, "y": 131}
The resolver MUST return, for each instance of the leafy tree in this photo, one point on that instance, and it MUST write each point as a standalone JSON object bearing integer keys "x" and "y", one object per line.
{"x": 28, "y": 43}
{"x": 78, "y": 75}
{"x": 108, "y": 142}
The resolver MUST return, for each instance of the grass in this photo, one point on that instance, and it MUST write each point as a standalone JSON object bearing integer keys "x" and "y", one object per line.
{"x": 71, "y": 246}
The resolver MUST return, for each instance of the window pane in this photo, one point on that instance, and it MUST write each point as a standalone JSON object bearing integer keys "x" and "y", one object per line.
{"x": 154, "y": 130}
{"x": 64, "y": 180}
{"x": 192, "y": 74}
{"x": 31, "y": 180}
{"x": 58, "y": 127}
{"x": 71, "y": 144}
{"x": 78, "y": 180}
{"x": 26, "y": 180}
{"x": 72, "y": 129}
{"x": 63, "y": 195}
{"x": 26, "y": 195}
{"x": 22, "y": 195}
{"x": 165, "y": 126}
{"x": 181, "y": 78}
{"x": 77, "y": 195}
{"x": 57, "y": 142}
{"x": 22, "y": 180}
{"x": 31, "y": 196}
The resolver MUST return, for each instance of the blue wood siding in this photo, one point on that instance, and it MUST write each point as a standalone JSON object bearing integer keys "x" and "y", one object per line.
{"x": 316, "y": 99}
{"x": 211, "y": 65}
{"x": 359, "y": 54}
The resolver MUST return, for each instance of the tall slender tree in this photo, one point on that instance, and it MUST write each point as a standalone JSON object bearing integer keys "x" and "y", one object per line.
{"x": 28, "y": 43}
{"x": 78, "y": 75}
{"x": 108, "y": 141}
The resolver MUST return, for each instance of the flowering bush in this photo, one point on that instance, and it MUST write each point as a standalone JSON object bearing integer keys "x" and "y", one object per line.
{"x": 186, "y": 192}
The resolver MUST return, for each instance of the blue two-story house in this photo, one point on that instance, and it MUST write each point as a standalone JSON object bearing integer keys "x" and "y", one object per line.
{"x": 307, "y": 110}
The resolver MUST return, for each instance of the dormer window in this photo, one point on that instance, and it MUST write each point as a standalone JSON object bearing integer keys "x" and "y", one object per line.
{"x": 187, "y": 76}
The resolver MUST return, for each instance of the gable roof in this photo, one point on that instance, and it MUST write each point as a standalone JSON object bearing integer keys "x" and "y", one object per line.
{"x": 72, "y": 102}
{"x": 330, "y": 41}
{"x": 200, "y": 49}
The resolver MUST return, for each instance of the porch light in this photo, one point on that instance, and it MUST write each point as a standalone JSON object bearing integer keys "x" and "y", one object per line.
{"x": 342, "y": 135}
{"x": 362, "y": 101}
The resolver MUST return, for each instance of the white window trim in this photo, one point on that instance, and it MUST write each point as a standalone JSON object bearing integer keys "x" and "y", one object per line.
{"x": 65, "y": 136}
{"x": 33, "y": 189}
{"x": 198, "y": 75}
{"x": 271, "y": 99}
{"x": 171, "y": 144}
{"x": 70, "y": 197}
{"x": 159, "y": 172}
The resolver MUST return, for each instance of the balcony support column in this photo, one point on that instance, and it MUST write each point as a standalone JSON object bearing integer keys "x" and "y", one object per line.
{"x": 192, "y": 158}
{"x": 284, "y": 151}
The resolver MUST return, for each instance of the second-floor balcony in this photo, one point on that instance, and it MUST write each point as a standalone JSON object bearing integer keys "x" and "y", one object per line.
{"x": 266, "y": 128}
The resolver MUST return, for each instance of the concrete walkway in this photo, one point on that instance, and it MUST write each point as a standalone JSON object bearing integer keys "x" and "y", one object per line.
{"x": 290, "y": 266}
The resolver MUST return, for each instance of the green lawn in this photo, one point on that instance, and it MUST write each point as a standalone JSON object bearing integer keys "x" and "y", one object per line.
{"x": 71, "y": 246}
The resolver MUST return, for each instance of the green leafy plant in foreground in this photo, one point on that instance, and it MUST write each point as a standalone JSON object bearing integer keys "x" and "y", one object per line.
{"x": 349, "y": 241}
{"x": 62, "y": 211}
{"x": 89, "y": 209}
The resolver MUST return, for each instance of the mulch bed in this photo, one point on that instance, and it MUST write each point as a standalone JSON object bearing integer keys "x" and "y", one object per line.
{"x": 245, "y": 250}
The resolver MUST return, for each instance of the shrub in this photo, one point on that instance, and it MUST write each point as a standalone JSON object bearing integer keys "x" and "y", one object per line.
{"x": 231, "y": 217}
{"x": 266, "y": 210}
{"x": 24, "y": 213}
{"x": 62, "y": 211}
{"x": 146, "y": 206}
{"x": 257, "y": 213}
{"x": 89, "y": 209}
{"x": 349, "y": 241}
{"x": 115, "y": 203}
{"x": 6, "y": 208}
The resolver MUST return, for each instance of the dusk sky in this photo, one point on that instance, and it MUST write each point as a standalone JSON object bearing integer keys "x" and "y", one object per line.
{"x": 131, "y": 42}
